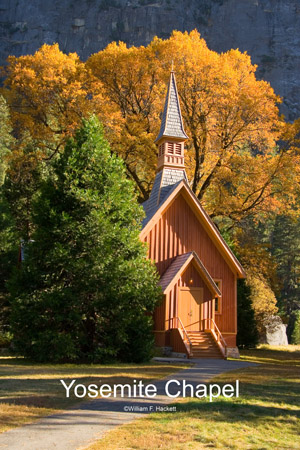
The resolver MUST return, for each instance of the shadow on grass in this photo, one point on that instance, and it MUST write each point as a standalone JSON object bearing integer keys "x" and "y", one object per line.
{"x": 234, "y": 411}
{"x": 287, "y": 391}
{"x": 20, "y": 363}
{"x": 272, "y": 356}
{"x": 50, "y": 392}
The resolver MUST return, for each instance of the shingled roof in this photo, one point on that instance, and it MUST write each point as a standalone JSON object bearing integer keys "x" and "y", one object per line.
{"x": 165, "y": 182}
{"x": 178, "y": 266}
{"x": 171, "y": 124}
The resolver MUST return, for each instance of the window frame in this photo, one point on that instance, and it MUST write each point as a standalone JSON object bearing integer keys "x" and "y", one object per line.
{"x": 218, "y": 282}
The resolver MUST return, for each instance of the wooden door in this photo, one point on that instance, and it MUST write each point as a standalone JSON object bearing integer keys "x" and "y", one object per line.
{"x": 189, "y": 308}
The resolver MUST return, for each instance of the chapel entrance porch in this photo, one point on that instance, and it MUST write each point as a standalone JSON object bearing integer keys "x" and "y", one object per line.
{"x": 186, "y": 319}
{"x": 193, "y": 331}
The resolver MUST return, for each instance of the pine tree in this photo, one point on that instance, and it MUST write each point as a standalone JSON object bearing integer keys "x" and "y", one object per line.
{"x": 286, "y": 249}
{"x": 20, "y": 187}
{"x": 247, "y": 335}
{"x": 86, "y": 289}
{"x": 295, "y": 338}
{"x": 8, "y": 259}
{"x": 6, "y": 138}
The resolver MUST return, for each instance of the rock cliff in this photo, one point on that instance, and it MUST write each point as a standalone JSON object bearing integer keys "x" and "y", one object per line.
{"x": 269, "y": 30}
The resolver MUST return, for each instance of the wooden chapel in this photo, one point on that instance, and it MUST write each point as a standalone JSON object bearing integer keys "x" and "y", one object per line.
{"x": 198, "y": 272}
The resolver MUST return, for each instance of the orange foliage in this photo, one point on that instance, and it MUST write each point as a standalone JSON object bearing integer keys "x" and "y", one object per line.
{"x": 233, "y": 123}
{"x": 231, "y": 118}
{"x": 133, "y": 91}
{"x": 48, "y": 94}
{"x": 263, "y": 299}
{"x": 232, "y": 161}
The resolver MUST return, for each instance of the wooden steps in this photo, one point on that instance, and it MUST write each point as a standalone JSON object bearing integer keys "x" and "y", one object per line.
{"x": 203, "y": 345}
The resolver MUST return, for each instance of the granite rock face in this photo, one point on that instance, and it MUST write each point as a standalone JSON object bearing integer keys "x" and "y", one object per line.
{"x": 269, "y": 30}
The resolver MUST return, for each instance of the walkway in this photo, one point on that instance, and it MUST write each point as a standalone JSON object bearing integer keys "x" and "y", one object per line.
{"x": 77, "y": 428}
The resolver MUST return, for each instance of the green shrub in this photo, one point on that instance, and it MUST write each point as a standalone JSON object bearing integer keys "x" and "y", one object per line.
{"x": 5, "y": 339}
{"x": 295, "y": 338}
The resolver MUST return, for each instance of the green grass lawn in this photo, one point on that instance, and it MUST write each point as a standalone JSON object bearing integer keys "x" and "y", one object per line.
{"x": 29, "y": 391}
{"x": 265, "y": 416}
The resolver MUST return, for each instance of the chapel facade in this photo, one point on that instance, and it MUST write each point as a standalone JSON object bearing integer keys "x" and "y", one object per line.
{"x": 198, "y": 271}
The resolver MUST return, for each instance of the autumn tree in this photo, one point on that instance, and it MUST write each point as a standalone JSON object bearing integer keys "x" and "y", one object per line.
{"x": 48, "y": 94}
{"x": 253, "y": 241}
{"x": 263, "y": 299}
{"x": 85, "y": 289}
{"x": 291, "y": 136}
{"x": 133, "y": 90}
{"x": 232, "y": 161}
{"x": 232, "y": 120}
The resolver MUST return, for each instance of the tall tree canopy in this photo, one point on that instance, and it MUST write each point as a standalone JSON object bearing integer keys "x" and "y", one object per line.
{"x": 86, "y": 289}
{"x": 286, "y": 250}
{"x": 232, "y": 120}
{"x": 233, "y": 164}
{"x": 48, "y": 94}
{"x": 242, "y": 159}
{"x": 247, "y": 334}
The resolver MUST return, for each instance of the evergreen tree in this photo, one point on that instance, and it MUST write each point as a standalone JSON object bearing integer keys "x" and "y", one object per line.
{"x": 6, "y": 138}
{"x": 247, "y": 335}
{"x": 295, "y": 338}
{"x": 8, "y": 259}
{"x": 86, "y": 289}
{"x": 21, "y": 185}
{"x": 286, "y": 249}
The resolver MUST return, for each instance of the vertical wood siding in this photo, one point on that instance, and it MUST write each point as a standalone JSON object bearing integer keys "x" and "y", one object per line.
{"x": 179, "y": 231}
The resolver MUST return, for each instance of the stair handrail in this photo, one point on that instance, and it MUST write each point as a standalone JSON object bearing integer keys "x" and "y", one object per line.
{"x": 218, "y": 337}
{"x": 185, "y": 334}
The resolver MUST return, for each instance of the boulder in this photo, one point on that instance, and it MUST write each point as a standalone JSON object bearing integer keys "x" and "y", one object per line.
{"x": 275, "y": 332}
{"x": 233, "y": 352}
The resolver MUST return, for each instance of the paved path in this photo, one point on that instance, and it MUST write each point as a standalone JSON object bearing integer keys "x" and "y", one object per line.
{"x": 77, "y": 428}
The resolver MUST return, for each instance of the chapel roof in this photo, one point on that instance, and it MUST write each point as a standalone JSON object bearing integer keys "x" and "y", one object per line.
{"x": 178, "y": 266}
{"x": 172, "y": 181}
{"x": 172, "y": 124}
{"x": 154, "y": 209}
{"x": 164, "y": 184}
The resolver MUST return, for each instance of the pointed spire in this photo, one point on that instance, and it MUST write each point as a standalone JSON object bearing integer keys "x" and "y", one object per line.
{"x": 171, "y": 124}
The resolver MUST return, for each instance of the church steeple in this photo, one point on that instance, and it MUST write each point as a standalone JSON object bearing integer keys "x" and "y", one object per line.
{"x": 170, "y": 142}
{"x": 171, "y": 137}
